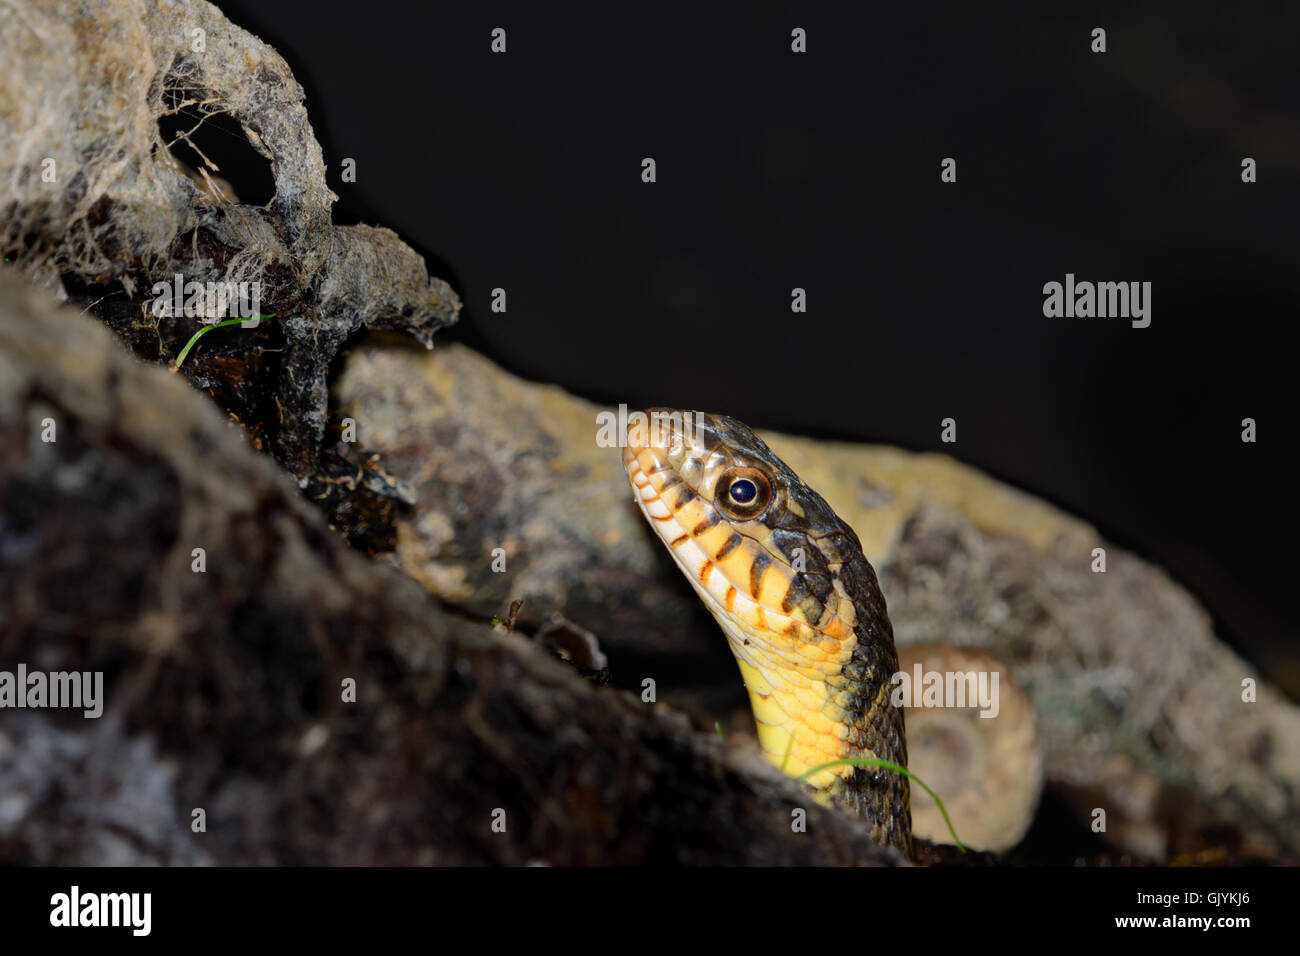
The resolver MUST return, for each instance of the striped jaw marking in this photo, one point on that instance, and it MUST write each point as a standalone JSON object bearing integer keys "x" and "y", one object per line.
{"x": 699, "y": 480}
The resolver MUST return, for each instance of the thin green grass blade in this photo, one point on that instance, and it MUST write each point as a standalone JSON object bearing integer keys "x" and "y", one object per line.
{"x": 889, "y": 765}
{"x": 180, "y": 359}
{"x": 788, "y": 747}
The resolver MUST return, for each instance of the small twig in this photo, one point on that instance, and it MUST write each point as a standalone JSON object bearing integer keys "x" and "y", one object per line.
{"x": 514, "y": 613}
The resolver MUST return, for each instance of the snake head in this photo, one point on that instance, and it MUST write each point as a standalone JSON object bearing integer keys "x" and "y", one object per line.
{"x": 711, "y": 481}
{"x": 786, "y": 580}
{"x": 713, "y": 457}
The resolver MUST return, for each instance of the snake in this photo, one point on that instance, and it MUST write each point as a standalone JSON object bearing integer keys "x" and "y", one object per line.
{"x": 801, "y": 607}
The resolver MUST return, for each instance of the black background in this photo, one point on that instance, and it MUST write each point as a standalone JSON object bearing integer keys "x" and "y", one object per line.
{"x": 347, "y": 908}
{"x": 821, "y": 170}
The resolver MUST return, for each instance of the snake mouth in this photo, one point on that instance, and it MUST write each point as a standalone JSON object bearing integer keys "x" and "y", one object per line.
{"x": 664, "y": 451}
{"x": 637, "y": 439}
{"x": 668, "y": 432}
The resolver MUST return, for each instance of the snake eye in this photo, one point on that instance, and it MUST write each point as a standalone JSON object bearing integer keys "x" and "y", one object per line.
{"x": 743, "y": 493}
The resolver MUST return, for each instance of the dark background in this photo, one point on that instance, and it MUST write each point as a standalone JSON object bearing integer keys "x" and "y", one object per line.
{"x": 821, "y": 170}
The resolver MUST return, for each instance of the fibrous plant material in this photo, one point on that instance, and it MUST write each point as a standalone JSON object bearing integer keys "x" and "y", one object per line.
{"x": 95, "y": 207}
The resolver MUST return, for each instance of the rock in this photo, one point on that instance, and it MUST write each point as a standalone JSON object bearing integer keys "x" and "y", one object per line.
{"x": 225, "y": 689}
{"x": 94, "y": 207}
{"x": 986, "y": 765}
{"x": 1131, "y": 689}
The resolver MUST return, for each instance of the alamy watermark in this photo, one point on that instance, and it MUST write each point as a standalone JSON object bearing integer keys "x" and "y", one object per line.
{"x": 1102, "y": 300}
{"x": 133, "y": 911}
{"x": 923, "y": 688}
{"x": 660, "y": 427}
{"x": 79, "y": 690}
{"x": 208, "y": 300}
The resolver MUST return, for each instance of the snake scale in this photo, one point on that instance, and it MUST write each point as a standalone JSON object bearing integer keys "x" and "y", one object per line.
{"x": 786, "y": 579}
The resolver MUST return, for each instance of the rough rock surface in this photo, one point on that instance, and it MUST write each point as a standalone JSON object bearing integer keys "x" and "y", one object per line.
{"x": 94, "y": 206}
{"x": 224, "y": 688}
{"x": 1140, "y": 707}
